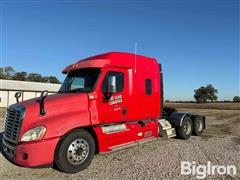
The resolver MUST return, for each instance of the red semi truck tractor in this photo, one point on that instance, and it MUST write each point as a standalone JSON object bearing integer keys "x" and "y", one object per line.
{"x": 106, "y": 103}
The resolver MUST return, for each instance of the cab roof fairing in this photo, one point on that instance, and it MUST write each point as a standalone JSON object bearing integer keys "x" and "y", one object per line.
{"x": 93, "y": 63}
{"x": 113, "y": 59}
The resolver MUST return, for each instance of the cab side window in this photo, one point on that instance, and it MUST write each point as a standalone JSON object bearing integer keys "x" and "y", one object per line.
{"x": 119, "y": 81}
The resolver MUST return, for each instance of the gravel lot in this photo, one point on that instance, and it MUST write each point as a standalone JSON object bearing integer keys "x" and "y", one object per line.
{"x": 160, "y": 159}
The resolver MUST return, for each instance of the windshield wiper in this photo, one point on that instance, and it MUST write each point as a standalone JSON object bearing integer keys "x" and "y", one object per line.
{"x": 62, "y": 92}
{"x": 75, "y": 90}
{"x": 81, "y": 90}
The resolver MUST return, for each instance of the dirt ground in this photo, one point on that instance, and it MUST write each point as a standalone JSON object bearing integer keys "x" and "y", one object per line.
{"x": 160, "y": 159}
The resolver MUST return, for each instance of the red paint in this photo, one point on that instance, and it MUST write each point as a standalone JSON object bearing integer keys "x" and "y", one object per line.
{"x": 39, "y": 152}
{"x": 106, "y": 141}
{"x": 65, "y": 112}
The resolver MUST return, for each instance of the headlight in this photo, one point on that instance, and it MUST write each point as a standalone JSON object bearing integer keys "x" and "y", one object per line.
{"x": 34, "y": 134}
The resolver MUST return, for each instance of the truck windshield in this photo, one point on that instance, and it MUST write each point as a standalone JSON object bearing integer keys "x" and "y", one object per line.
{"x": 81, "y": 80}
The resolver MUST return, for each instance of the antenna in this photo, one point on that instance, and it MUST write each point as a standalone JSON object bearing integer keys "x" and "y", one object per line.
{"x": 135, "y": 58}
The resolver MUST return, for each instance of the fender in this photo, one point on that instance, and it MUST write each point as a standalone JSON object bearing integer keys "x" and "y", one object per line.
{"x": 70, "y": 121}
{"x": 176, "y": 118}
{"x": 66, "y": 120}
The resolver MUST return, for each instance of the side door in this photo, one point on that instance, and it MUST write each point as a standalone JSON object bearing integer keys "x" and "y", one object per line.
{"x": 113, "y": 108}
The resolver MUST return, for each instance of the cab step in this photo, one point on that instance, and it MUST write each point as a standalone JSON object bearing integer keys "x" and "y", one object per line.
{"x": 129, "y": 145}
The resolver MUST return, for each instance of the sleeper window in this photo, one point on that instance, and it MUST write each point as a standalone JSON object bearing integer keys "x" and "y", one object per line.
{"x": 148, "y": 84}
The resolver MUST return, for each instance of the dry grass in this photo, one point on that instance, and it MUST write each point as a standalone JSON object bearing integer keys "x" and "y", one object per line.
{"x": 223, "y": 106}
{"x": 2, "y": 112}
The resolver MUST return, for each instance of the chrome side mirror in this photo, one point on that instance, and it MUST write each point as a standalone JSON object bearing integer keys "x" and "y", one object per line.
{"x": 44, "y": 93}
{"x": 18, "y": 95}
{"x": 112, "y": 84}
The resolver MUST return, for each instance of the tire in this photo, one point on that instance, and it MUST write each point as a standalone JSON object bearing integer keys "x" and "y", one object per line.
{"x": 75, "y": 151}
{"x": 185, "y": 130}
{"x": 198, "y": 125}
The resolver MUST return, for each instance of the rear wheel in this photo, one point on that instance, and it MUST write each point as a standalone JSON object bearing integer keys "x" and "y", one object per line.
{"x": 75, "y": 151}
{"x": 185, "y": 130}
{"x": 198, "y": 125}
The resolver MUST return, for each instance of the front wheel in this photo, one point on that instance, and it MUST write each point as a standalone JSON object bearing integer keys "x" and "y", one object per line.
{"x": 75, "y": 151}
{"x": 185, "y": 130}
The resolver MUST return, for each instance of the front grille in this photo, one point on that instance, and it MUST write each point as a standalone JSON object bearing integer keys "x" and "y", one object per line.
{"x": 13, "y": 123}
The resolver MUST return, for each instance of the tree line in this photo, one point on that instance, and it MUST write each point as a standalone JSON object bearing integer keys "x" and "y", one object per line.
{"x": 9, "y": 73}
{"x": 201, "y": 95}
{"x": 209, "y": 93}
{"x": 206, "y": 94}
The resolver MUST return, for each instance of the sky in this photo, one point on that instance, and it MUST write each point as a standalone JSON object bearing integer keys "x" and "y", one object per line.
{"x": 197, "y": 42}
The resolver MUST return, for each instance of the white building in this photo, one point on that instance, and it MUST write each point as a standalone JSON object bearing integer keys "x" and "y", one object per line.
{"x": 29, "y": 90}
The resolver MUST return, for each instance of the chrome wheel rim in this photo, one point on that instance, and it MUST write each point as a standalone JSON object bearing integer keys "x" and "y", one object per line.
{"x": 187, "y": 127}
{"x": 78, "y": 151}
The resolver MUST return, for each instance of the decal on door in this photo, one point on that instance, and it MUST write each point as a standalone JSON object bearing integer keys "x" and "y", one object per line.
{"x": 115, "y": 100}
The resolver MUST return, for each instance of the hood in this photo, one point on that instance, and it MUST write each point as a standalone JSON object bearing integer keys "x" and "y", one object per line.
{"x": 56, "y": 101}
{"x": 57, "y": 106}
